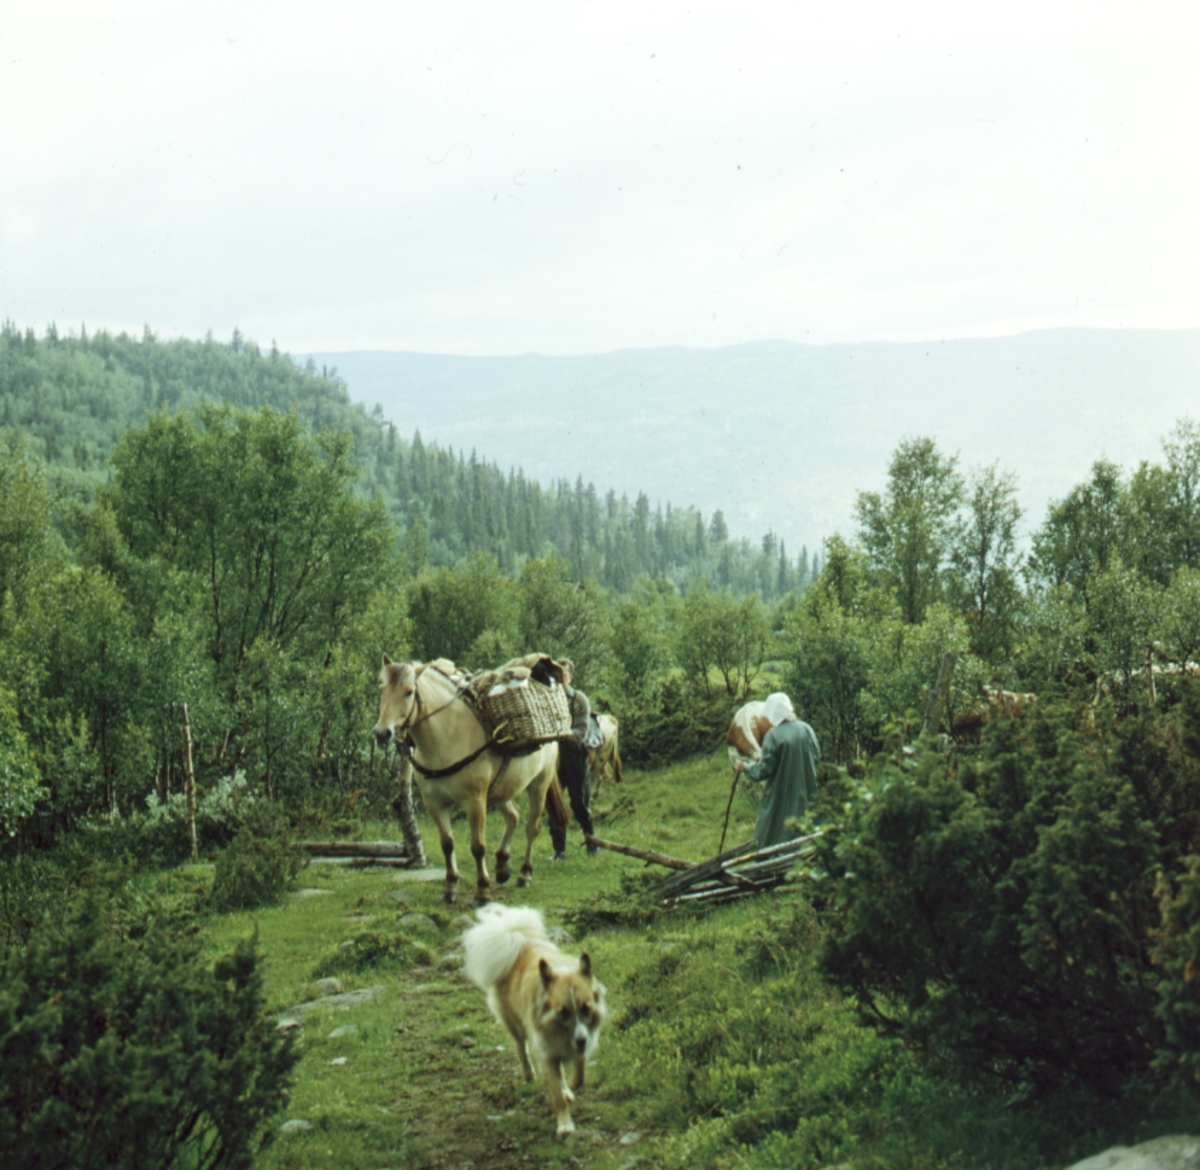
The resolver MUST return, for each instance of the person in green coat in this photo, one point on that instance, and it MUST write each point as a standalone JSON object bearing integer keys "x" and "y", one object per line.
{"x": 787, "y": 770}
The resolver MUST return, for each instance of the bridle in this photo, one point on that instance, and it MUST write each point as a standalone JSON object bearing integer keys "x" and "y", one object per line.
{"x": 404, "y": 742}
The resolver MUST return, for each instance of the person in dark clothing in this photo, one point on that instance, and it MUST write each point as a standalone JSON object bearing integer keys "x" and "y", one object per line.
{"x": 574, "y": 770}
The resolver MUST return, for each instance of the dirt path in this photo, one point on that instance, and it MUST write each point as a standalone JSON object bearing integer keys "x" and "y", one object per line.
{"x": 465, "y": 1105}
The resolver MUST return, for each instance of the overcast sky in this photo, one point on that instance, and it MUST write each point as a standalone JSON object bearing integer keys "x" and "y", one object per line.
{"x": 579, "y": 177}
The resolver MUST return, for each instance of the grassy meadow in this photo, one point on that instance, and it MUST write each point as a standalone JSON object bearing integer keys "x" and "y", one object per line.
{"x": 723, "y": 1047}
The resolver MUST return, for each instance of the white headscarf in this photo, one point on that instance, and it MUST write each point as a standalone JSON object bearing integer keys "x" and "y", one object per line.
{"x": 778, "y": 708}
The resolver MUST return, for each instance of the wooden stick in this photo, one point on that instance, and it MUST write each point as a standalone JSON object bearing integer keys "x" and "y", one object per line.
{"x": 642, "y": 854}
{"x": 728, "y": 808}
{"x": 190, "y": 776}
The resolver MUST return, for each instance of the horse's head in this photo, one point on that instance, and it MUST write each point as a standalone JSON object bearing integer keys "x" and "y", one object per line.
{"x": 398, "y": 700}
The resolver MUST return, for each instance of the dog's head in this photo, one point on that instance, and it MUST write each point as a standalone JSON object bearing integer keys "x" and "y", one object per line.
{"x": 571, "y": 1005}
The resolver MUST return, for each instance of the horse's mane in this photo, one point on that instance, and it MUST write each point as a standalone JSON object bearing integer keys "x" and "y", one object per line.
{"x": 394, "y": 672}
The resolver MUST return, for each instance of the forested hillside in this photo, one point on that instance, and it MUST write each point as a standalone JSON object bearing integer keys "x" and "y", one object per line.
{"x": 74, "y": 396}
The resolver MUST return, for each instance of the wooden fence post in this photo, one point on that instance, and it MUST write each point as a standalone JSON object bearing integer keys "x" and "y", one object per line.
{"x": 190, "y": 777}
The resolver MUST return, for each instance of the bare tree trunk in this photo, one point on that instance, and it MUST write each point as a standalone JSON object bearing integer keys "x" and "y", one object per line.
{"x": 941, "y": 693}
{"x": 190, "y": 782}
{"x": 407, "y": 814}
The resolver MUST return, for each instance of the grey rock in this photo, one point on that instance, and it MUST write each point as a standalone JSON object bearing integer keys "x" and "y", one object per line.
{"x": 344, "y": 1030}
{"x": 288, "y": 1023}
{"x": 1176, "y": 1152}
{"x": 421, "y": 875}
{"x": 418, "y": 922}
{"x": 328, "y": 986}
{"x": 310, "y": 893}
{"x": 559, "y": 935}
{"x": 463, "y": 922}
{"x": 341, "y": 1002}
{"x": 296, "y": 1125}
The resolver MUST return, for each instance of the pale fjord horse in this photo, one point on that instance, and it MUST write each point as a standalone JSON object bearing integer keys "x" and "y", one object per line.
{"x": 456, "y": 767}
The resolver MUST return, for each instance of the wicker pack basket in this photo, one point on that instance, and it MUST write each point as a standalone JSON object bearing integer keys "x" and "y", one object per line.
{"x": 527, "y": 714}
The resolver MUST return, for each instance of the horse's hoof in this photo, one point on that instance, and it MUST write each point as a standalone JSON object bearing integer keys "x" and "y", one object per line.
{"x": 525, "y": 880}
{"x": 449, "y": 897}
{"x": 503, "y": 875}
{"x": 481, "y": 900}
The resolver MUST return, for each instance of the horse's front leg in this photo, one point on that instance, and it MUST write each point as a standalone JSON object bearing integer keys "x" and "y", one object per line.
{"x": 512, "y": 817}
{"x": 450, "y": 888}
{"x": 477, "y": 820}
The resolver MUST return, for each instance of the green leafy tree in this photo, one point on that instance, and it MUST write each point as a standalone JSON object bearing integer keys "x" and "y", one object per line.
{"x": 19, "y": 788}
{"x": 263, "y": 555}
{"x": 641, "y": 649}
{"x": 560, "y": 617}
{"x": 467, "y": 614}
{"x": 1083, "y": 532}
{"x": 908, "y": 532}
{"x": 717, "y": 631}
{"x": 1120, "y": 620}
{"x": 1177, "y": 620}
{"x": 28, "y": 546}
{"x": 985, "y": 562}
{"x": 904, "y": 661}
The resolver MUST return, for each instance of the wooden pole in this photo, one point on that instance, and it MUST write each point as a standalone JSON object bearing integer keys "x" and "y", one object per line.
{"x": 642, "y": 854}
{"x": 728, "y": 809}
{"x": 190, "y": 777}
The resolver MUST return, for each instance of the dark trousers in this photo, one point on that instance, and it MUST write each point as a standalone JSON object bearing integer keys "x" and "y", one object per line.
{"x": 575, "y": 775}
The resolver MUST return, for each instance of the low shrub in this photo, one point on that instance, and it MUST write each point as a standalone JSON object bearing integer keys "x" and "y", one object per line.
{"x": 256, "y": 868}
{"x": 997, "y": 911}
{"x": 371, "y": 949}
{"x": 682, "y": 722}
{"x": 121, "y": 1045}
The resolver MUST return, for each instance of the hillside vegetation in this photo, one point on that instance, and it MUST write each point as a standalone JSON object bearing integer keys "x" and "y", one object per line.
{"x": 990, "y": 959}
{"x": 73, "y": 397}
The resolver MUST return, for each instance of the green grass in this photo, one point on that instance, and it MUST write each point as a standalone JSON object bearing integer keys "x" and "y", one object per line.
{"x": 724, "y": 1047}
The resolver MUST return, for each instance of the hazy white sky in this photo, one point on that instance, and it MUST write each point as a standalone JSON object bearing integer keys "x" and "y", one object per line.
{"x": 574, "y": 177}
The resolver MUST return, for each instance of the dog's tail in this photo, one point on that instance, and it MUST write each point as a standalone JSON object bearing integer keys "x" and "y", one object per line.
{"x": 493, "y": 944}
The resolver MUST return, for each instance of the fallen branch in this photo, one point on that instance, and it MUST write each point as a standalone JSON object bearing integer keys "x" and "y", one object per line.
{"x": 362, "y": 862}
{"x": 354, "y": 848}
{"x": 642, "y": 854}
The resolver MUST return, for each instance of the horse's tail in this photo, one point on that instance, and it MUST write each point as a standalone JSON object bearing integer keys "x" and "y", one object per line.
{"x": 494, "y": 943}
{"x": 557, "y": 808}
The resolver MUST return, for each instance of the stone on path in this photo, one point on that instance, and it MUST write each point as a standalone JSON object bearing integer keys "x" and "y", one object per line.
{"x": 420, "y": 875}
{"x": 341, "y": 1002}
{"x": 1176, "y": 1152}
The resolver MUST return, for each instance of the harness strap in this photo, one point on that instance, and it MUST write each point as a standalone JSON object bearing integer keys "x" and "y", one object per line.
{"x": 442, "y": 773}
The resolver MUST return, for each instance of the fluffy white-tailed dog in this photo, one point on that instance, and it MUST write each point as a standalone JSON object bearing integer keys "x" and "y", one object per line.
{"x": 550, "y": 1002}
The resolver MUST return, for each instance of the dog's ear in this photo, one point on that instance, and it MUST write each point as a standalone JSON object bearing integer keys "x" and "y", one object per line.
{"x": 585, "y": 964}
{"x": 386, "y": 661}
{"x": 547, "y": 974}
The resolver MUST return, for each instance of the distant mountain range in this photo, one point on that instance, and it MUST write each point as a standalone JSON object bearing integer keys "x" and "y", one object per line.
{"x": 781, "y": 436}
